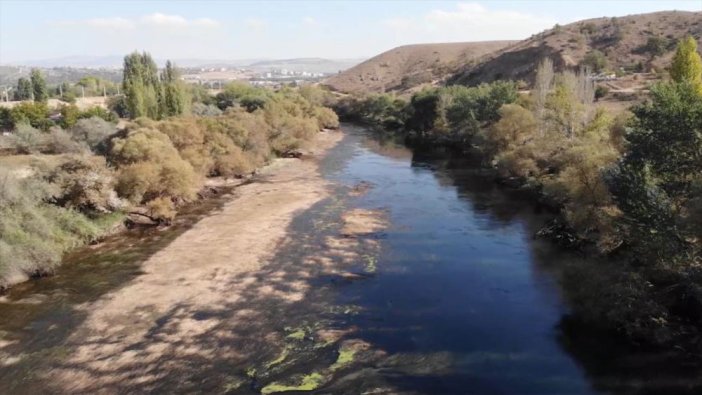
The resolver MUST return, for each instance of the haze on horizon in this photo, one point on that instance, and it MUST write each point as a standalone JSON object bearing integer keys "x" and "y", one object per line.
{"x": 277, "y": 29}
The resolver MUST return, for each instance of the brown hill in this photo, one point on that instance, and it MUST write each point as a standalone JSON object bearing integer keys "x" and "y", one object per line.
{"x": 406, "y": 67}
{"x": 634, "y": 43}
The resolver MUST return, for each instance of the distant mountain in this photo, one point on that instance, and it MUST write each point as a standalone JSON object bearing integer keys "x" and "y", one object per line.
{"x": 317, "y": 65}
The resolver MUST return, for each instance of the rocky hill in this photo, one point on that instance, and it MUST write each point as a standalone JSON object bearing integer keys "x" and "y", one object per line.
{"x": 634, "y": 43}
{"x": 406, "y": 67}
{"x": 630, "y": 44}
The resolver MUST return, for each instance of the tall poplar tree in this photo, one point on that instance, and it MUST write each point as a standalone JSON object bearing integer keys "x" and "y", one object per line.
{"x": 141, "y": 86}
{"x": 687, "y": 65}
{"x": 38, "y": 86}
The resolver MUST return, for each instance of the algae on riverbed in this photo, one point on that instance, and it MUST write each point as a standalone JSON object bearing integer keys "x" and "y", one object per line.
{"x": 346, "y": 356}
{"x": 309, "y": 382}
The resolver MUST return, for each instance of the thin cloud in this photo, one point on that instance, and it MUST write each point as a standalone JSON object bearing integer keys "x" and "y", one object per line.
{"x": 310, "y": 21}
{"x": 256, "y": 24}
{"x": 468, "y": 22}
{"x": 155, "y": 20}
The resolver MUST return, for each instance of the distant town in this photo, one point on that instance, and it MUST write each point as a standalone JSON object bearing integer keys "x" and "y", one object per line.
{"x": 215, "y": 77}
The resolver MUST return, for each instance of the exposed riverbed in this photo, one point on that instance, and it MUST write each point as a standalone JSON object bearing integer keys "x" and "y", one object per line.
{"x": 366, "y": 268}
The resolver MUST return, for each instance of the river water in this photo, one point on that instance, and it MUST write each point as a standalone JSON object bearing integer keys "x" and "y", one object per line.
{"x": 463, "y": 299}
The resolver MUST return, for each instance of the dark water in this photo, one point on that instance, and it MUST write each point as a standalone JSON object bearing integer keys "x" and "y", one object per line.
{"x": 462, "y": 277}
{"x": 460, "y": 274}
{"x": 464, "y": 299}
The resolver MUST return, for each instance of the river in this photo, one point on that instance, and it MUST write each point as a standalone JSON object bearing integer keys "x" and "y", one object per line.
{"x": 461, "y": 298}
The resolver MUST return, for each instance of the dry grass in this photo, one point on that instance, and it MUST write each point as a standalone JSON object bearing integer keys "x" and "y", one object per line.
{"x": 418, "y": 64}
{"x": 567, "y": 45}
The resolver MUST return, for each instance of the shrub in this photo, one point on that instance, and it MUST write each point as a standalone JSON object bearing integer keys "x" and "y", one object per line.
{"x": 151, "y": 167}
{"x": 326, "y": 118}
{"x": 94, "y": 132}
{"x": 61, "y": 142}
{"x": 233, "y": 164}
{"x": 601, "y": 91}
{"x": 35, "y": 114}
{"x": 161, "y": 210}
{"x": 83, "y": 183}
{"x": 142, "y": 144}
{"x": 205, "y": 110}
{"x": 515, "y": 127}
{"x": 595, "y": 60}
{"x": 118, "y": 105}
{"x": 27, "y": 140}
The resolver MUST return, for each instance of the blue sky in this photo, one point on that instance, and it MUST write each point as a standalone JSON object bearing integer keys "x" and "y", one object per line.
{"x": 182, "y": 29}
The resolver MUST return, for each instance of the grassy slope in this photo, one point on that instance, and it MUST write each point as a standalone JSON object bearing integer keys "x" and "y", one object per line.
{"x": 567, "y": 46}
{"x": 417, "y": 64}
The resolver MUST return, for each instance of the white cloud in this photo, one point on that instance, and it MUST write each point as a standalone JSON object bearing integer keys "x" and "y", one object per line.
{"x": 256, "y": 24}
{"x": 310, "y": 21}
{"x": 468, "y": 22}
{"x": 112, "y": 23}
{"x": 155, "y": 20}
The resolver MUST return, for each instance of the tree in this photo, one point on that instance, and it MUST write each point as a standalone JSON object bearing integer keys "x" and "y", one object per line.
{"x": 595, "y": 60}
{"x": 173, "y": 96}
{"x": 38, "y": 86}
{"x": 35, "y": 114}
{"x": 655, "y": 181}
{"x": 141, "y": 86}
{"x": 687, "y": 66}
{"x": 24, "y": 89}
{"x": 542, "y": 86}
{"x": 564, "y": 107}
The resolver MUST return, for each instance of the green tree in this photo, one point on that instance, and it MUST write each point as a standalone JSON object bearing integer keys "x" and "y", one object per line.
{"x": 35, "y": 114}
{"x": 687, "y": 65}
{"x": 38, "y": 86}
{"x": 595, "y": 60}
{"x": 141, "y": 86}
{"x": 24, "y": 89}
{"x": 174, "y": 100}
{"x": 655, "y": 180}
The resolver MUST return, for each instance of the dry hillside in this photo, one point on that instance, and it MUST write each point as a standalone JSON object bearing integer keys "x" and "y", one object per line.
{"x": 635, "y": 43}
{"x": 405, "y": 67}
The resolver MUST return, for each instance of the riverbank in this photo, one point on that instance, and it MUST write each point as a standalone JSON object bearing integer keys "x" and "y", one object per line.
{"x": 197, "y": 270}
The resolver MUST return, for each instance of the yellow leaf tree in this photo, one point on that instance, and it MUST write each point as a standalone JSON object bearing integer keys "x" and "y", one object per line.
{"x": 687, "y": 65}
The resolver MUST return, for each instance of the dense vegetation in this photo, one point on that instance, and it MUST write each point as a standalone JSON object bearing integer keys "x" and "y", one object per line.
{"x": 74, "y": 174}
{"x": 629, "y": 185}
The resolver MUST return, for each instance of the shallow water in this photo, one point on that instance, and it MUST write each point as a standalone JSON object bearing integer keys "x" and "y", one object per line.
{"x": 462, "y": 300}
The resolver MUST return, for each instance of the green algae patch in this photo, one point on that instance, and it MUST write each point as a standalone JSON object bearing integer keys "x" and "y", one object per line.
{"x": 251, "y": 372}
{"x": 297, "y": 335}
{"x": 283, "y": 355}
{"x": 346, "y": 356}
{"x": 309, "y": 383}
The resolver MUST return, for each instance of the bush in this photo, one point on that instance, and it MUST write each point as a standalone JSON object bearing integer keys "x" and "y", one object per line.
{"x": 83, "y": 183}
{"x": 205, "y": 110}
{"x": 151, "y": 167}
{"x": 27, "y": 140}
{"x": 601, "y": 91}
{"x": 34, "y": 234}
{"x": 161, "y": 210}
{"x": 118, "y": 105}
{"x": 61, "y": 142}
{"x": 595, "y": 60}
{"x": 35, "y": 114}
{"x": 233, "y": 164}
{"x": 94, "y": 132}
{"x": 326, "y": 118}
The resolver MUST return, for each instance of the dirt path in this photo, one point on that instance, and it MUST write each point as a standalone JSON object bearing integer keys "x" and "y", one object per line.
{"x": 181, "y": 314}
